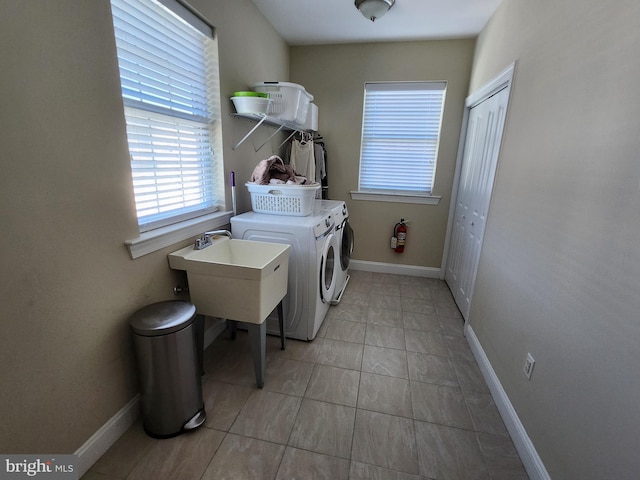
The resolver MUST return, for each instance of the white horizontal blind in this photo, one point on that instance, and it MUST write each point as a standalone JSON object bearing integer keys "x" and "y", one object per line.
{"x": 400, "y": 136}
{"x": 168, "y": 73}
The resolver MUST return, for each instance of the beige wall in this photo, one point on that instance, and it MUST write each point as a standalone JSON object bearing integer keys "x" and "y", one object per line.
{"x": 69, "y": 284}
{"x": 558, "y": 275}
{"x": 335, "y": 75}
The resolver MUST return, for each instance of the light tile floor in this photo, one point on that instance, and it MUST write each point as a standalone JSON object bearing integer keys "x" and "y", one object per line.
{"x": 388, "y": 390}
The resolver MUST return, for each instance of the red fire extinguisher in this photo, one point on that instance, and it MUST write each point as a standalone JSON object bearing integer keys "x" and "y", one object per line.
{"x": 400, "y": 236}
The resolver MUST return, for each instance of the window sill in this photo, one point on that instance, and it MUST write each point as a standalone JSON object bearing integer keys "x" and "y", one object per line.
{"x": 396, "y": 198}
{"x": 154, "y": 240}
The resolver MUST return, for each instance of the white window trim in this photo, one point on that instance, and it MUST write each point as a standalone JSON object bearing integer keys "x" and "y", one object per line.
{"x": 154, "y": 240}
{"x": 398, "y": 196}
{"x": 395, "y": 198}
{"x": 153, "y": 235}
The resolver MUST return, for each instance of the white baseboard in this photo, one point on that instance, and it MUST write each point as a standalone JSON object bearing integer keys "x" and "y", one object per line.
{"x": 527, "y": 451}
{"x": 395, "y": 268}
{"x": 107, "y": 435}
{"x": 116, "y": 426}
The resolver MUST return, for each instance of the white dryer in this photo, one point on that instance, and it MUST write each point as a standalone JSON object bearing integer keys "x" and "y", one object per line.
{"x": 312, "y": 263}
{"x": 344, "y": 241}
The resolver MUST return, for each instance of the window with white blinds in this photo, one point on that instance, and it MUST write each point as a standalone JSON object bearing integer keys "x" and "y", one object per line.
{"x": 400, "y": 136}
{"x": 170, "y": 90}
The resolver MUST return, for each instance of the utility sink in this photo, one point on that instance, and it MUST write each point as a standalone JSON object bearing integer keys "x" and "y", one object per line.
{"x": 235, "y": 279}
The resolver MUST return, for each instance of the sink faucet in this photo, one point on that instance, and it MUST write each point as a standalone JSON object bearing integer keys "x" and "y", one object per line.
{"x": 205, "y": 239}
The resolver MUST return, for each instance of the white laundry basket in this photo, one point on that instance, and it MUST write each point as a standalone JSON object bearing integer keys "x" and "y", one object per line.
{"x": 289, "y": 101}
{"x": 294, "y": 200}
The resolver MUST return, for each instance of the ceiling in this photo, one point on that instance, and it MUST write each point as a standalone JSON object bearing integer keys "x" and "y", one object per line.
{"x": 317, "y": 22}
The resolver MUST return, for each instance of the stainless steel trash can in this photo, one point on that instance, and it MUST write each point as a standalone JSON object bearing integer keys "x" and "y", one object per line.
{"x": 166, "y": 347}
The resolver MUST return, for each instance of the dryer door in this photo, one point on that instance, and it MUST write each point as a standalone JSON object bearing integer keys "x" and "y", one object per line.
{"x": 329, "y": 264}
{"x": 347, "y": 244}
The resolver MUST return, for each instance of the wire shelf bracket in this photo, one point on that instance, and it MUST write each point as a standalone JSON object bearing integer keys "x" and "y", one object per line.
{"x": 264, "y": 119}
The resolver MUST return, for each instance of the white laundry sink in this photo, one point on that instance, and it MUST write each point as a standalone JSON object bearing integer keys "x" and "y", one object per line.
{"x": 235, "y": 279}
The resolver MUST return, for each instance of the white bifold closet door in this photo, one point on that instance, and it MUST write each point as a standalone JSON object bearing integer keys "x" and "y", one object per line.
{"x": 481, "y": 148}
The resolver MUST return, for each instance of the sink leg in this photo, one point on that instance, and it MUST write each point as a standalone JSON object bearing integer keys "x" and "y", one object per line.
{"x": 258, "y": 341}
{"x": 233, "y": 328}
{"x": 281, "y": 321}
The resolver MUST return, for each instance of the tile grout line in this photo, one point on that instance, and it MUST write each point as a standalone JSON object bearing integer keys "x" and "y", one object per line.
{"x": 357, "y": 409}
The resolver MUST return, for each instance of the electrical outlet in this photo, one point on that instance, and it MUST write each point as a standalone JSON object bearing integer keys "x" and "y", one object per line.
{"x": 529, "y": 363}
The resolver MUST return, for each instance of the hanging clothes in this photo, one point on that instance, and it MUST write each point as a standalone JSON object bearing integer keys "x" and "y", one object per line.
{"x": 320, "y": 152}
{"x": 302, "y": 158}
{"x": 321, "y": 173}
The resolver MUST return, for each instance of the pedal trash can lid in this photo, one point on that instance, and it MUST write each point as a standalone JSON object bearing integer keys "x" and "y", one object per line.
{"x": 162, "y": 318}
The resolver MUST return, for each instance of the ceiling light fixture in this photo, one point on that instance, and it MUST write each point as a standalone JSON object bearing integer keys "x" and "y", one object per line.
{"x": 373, "y": 9}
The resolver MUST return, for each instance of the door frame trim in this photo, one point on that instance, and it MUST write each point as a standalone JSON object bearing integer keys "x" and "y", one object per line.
{"x": 501, "y": 81}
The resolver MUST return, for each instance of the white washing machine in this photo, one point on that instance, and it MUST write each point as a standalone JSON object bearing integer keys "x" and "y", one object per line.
{"x": 312, "y": 263}
{"x": 344, "y": 241}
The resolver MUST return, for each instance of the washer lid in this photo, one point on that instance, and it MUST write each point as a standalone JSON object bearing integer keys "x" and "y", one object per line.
{"x": 162, "y": 318}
